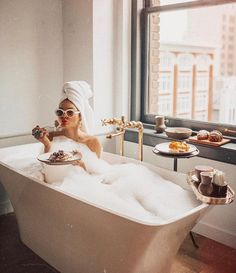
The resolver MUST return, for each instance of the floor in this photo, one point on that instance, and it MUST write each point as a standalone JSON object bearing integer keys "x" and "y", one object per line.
{"x": 211, "y": 257}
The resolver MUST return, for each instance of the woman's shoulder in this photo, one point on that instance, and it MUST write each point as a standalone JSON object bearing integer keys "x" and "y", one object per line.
{"x": 94, "y": 144}
{"x": 92, "y": 140}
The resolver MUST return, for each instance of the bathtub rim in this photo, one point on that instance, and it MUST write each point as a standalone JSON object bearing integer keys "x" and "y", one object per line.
{"x": 196, "y": 209}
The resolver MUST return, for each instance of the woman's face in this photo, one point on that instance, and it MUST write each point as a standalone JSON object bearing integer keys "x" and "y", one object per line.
{"x": 66, "y": 121}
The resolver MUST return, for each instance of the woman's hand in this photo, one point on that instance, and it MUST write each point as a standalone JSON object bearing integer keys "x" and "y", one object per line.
{"x": 42, "y": 135}
{"x": 79, "y": 163}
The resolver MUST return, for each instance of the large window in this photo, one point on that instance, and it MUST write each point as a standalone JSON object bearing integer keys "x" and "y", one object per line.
{"x": 189, "y": 62}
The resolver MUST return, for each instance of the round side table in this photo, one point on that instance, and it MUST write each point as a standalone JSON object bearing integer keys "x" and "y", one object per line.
{"x": 176, "y": 156}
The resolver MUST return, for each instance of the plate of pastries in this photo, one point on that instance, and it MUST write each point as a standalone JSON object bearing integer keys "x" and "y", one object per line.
{"x": 60, "y": 157}
{"x": 175, "y": 147}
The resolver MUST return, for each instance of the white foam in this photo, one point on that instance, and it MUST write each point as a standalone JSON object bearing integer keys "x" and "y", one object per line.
{"x": 130, "y": 189}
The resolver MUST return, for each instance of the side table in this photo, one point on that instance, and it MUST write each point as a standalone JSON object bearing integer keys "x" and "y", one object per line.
{"x": 176, "y": 157}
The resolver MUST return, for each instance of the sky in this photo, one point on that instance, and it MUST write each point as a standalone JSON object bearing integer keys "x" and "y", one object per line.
{"x": 174, "y": 23}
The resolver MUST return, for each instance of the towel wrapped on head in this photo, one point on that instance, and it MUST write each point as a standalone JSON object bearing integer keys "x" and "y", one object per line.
{"x": 78, "y": 92}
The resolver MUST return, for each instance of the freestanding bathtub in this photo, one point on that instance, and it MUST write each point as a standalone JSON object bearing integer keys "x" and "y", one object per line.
{"x": 76, "y": 236}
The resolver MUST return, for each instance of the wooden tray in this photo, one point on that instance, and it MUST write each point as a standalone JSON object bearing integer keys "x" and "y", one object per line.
{"x": 209, "y": 199}
{"x": 207, "y": 142}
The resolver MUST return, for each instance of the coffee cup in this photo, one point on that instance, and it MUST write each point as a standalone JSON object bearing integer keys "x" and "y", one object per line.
{"x": 202, "y": 168}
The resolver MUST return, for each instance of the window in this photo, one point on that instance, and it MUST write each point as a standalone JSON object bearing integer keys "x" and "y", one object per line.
{"x": 232, "y": 19}
{"x": 183, "y": 65}
{"x": 231, "y": 38}
{"x": 165, "y": 84}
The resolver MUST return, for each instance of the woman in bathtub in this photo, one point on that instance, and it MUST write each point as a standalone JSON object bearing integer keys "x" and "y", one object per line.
{"x": 129, "y": 188}
{"x": 75, "y": 122}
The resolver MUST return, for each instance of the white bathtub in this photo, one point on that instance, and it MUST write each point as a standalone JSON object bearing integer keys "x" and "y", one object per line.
{"x": 76, "y": 236}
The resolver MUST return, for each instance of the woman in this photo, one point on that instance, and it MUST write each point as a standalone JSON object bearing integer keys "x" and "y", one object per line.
{"x": 75, "y": 119}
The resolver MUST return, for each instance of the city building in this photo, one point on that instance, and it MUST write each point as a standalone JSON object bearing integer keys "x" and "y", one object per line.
{"x": 185, "y": 81}
{"x": 219, "y": 30}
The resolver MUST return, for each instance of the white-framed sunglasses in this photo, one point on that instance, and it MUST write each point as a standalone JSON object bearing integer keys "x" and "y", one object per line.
{"x": 68, "y": 112}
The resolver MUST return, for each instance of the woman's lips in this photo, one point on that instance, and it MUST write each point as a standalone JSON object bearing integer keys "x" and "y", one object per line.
{"x": 64, "y": 121}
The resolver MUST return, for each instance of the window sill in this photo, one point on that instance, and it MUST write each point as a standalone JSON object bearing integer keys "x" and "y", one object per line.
{"x": 225, "y": 153}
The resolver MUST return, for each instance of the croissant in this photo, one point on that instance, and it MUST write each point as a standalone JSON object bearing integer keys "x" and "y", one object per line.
{"x": 179, "y": 146}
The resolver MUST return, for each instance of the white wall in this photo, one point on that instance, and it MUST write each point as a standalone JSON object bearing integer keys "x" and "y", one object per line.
{"x": 95, "y": 49}
{"x": 111, "y": 61}
{"x": 112, "y": 47}
{"x": 219, "y": 223}
{"x": 31, "y": 63}
{"x": 104, "y": 40}
{"x": 77, "y": 40}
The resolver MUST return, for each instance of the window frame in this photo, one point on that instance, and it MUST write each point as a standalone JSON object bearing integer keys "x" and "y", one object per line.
{"x": 139, "y": 65}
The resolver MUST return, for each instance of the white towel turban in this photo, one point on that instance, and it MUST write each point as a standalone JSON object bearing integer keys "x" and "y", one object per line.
{"x": 78, "y": 92}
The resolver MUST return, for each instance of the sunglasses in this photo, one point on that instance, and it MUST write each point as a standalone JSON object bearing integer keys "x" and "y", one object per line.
{"x": 69, "y": 112}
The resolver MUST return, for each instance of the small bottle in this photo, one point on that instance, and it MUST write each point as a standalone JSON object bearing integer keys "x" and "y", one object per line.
{"x": 219, "y": 184}
{"x": 206, "y": 187}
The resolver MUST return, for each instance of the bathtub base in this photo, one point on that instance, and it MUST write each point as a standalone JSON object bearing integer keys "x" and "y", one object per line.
{"x": 117, "y": 247}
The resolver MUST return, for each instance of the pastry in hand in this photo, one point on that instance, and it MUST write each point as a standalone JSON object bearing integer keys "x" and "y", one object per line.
{"x": 203, "y": 135}
{"x": 215, "y": 136}
{"x": 39, "y": 132}
{"x": 36, "y": 132}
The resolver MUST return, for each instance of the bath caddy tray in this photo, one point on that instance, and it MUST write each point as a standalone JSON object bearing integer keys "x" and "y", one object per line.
{"x": 209, "y": 199}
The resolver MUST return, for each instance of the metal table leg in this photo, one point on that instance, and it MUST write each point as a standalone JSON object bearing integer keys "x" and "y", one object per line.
{"x": 175, "y": 164}
{"x": 193, "y": 240}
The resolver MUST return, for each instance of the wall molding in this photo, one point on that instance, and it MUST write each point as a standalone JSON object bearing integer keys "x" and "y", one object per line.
{"x": 218, "y": 234}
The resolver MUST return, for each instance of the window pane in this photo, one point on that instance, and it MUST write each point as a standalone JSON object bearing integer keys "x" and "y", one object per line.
{"x": 192, "y": 64}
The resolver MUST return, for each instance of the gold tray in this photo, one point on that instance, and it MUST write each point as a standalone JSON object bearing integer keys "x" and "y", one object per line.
{"x": 192, "y": 181}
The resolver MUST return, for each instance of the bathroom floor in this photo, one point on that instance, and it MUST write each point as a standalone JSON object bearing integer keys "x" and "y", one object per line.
{"x": 211, "y": 257}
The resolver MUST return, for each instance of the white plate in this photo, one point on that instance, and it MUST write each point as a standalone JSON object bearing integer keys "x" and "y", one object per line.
{"x": 164, "y": 148}
{"x": 45, "y": 159}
